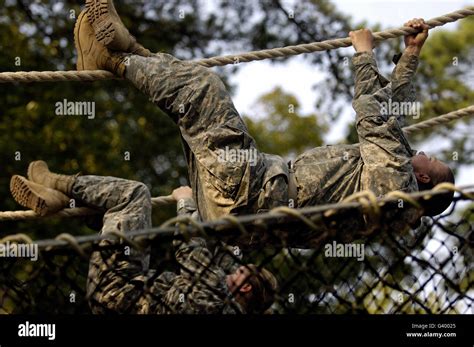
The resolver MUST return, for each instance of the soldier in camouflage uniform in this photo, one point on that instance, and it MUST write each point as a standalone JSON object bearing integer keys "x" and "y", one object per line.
{"x": 197, "y": 100}
{"x": 120, "y": 279}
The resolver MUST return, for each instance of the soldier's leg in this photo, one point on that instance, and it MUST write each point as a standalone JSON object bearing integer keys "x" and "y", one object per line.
{"x": 197, "y": 100}
{"x": 115, "y": 272}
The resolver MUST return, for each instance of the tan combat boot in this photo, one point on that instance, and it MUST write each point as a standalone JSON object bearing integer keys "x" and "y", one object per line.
{"x": 91, "y": 54}
{"x": 110, "y": 30}
{"x": 40, "y": 199}
{"x": 38, "y": 172}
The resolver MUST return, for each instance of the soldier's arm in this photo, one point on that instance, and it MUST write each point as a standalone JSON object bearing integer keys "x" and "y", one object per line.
{"x": 202, "y": 286}
{"x": 402, "y": 76}
{"x": 385, "y": 151}
{"x": 187, "y": 207}
{"x": 227, "y": 257}
{"x": 192, "y": 254}
{"x": 367, "y": 77}
{"x": 381, "y": 139}
{"x": 403, "y": 89}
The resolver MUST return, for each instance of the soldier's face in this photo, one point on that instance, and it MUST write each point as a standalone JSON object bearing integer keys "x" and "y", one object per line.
{"x": 428, "y": 168}
{"x": 427, "y": 165}
{"x": 421, "y": 163}
{"x": 237, "y": 281}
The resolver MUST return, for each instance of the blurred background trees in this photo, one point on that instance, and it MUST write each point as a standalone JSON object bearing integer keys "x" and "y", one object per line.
{"x": 131, "y": 138}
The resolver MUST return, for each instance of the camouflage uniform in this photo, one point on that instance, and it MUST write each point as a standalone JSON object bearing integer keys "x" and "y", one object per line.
{"x": 196, "y": 99}
{"x": 381, "y": 162}
{"x": 120, "y": 280}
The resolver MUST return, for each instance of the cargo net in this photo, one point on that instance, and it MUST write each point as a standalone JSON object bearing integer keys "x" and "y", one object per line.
{"x": 363, "y": 255}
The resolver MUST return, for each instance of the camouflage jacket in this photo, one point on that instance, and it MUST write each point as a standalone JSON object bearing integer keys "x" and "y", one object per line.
{"x": 380, "y": 162}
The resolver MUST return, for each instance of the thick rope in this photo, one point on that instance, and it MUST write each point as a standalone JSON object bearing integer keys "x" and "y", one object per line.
{"x": 73, "y": 212}
{"x": 57, "y": 76}
{"x": 445, "y": 118}
{"x": 304, "y": 216}
{"x": 330, "y": 44}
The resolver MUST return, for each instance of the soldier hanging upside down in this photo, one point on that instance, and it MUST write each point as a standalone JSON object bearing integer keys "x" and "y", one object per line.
{"x": 196, "y": 99}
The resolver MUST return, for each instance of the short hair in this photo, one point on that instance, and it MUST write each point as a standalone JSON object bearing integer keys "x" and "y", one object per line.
{"x": 439, "y": 203}
{"x": 264, "y": 287}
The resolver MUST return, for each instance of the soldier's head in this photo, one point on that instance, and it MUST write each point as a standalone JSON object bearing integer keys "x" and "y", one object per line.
{"x": 429, "y": 172}
{"x": 254, "y": 288}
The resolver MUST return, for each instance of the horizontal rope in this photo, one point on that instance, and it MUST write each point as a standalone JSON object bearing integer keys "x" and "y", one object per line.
{"x": 443, "y": 119}
{"x": 74, "y": 212}
{"x": 223, "y": 226}
{"x": 58, "y": 76}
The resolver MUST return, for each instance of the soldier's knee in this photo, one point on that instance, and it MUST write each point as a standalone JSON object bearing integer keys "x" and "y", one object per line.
{"x": 141, "y": 189}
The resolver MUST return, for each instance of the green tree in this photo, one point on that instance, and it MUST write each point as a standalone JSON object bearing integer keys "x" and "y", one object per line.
{"x": 283, "y": 129}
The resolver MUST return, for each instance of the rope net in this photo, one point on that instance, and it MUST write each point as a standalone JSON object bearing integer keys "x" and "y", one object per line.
{"x": 401, "y": 269}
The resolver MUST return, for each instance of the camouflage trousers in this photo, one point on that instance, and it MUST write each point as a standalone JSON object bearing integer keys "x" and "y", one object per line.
{"x": 198, "y": 102}
{"x": 127, "y": 207}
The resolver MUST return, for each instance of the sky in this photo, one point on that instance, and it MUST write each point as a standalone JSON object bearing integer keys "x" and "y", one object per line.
{"x": 297, "y": 76}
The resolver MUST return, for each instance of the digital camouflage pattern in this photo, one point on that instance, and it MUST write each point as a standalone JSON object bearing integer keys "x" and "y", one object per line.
{"x": 381, "y": 162}
{"x": 196, "y": 99}
{"x": 120, "y": 280}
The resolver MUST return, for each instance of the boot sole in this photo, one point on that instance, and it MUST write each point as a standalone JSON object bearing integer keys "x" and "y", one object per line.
{"x": 100, "y": 19}
{"x": 26, "y": 197}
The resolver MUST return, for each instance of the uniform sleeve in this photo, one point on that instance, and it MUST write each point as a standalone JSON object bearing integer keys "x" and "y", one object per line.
{"x": 117, "y": 281}
{"x": 225, "y": 256}
{"x": 186, "y": 207}
{"x": 367, "y": 77}
{"x": 403, "y": 89}
{"x": 193, "y": 255}
{"x": 201, "y": 286}
{"x": 385, "y": 152}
